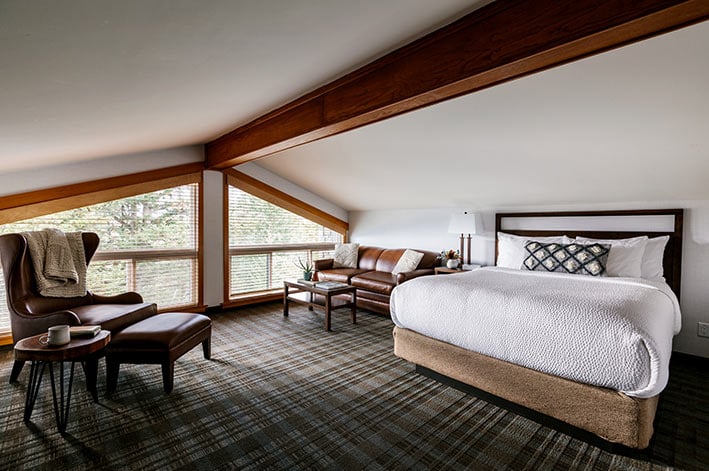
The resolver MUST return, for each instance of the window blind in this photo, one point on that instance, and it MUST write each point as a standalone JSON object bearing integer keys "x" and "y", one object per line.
{"x": 266, "y": 241}
{"x": 149, "y": 244}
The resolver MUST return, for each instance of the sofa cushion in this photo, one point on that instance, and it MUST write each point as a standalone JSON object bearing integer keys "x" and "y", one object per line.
{"x": 346, "y": 256}
{"x": 378, "y": 281}
{"x": 342, "y": 275}
{"x": 368, "y": 257}
{"x": 388, "y": 258}
{"x": 114, "y": 317}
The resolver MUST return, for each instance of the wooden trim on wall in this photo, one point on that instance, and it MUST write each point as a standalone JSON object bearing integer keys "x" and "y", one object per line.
{"x": 38, "y": 203}
{"x": 272, "y": 195}
{"x": 76, "y": 189}
{"x": 501, "y": 41}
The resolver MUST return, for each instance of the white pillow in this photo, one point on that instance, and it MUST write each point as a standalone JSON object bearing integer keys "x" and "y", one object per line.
{"x": 511, "y": 252}
{"x": 651, "y": 267}
{"x": 626, "y": 256}
{"x": 345, "y": 256}
{"x": 408, "y": 261}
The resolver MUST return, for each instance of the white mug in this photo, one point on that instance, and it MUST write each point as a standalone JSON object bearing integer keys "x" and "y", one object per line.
{"x": 56, "y": 335}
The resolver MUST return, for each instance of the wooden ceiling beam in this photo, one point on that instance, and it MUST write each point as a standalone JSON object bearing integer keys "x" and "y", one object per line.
{"x": 499, "y": 42}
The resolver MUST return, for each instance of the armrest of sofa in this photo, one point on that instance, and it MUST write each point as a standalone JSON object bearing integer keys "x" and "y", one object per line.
{"x": 323, "y": 264}
{"x": 409, "y": 275}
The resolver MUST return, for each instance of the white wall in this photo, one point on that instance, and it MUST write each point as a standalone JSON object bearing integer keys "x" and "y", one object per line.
{"x": 117, "y": 165}
{"x": 427, "y": 229}
{"x": 256, "y": 171}
{"x": 213, "y": 238}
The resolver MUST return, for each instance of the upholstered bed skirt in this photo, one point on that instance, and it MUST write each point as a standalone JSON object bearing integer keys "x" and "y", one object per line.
{"x": 609, "y": 414}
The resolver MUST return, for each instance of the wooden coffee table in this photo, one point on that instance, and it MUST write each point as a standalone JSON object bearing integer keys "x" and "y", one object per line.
{"x": 295, "y": 292}
{"x": 85, "y": 350}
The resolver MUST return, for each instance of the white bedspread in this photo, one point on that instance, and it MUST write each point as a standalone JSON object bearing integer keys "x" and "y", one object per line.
{"x": 610, "y": 332}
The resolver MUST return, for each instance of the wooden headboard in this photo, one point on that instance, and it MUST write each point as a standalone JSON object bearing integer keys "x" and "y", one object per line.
{"x": 672, "y": 262}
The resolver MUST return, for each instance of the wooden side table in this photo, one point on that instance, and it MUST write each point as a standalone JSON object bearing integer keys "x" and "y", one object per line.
{"x": 446, "y": 270}
{"x": 304, "y": 294}
{"x": 79, "y": 349}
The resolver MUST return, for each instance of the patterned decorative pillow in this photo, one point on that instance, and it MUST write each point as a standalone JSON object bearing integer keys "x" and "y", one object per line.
{"x": 345, "y": 256}
{"x": 574, "y": 258}
{"x": 408, "y": 261}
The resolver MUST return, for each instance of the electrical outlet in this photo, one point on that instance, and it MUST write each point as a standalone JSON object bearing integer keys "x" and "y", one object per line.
{"x": 703, "y": 329}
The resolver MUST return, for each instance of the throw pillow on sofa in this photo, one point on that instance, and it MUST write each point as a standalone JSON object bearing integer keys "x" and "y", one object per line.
{"x": 345, "y": 256}
{"x": 408, "y": 261}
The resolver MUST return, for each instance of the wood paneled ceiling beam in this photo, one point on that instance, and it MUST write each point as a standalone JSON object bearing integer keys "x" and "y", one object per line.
{"x": 499, "y": 42}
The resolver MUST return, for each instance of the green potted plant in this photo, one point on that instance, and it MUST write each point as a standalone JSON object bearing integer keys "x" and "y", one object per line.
{"x": 307, "y": 268}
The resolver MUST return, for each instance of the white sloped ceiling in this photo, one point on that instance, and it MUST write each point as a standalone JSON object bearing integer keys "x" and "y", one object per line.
{"x": 628, "y": 125}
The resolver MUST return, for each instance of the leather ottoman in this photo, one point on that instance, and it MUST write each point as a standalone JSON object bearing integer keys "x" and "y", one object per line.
{"x": 160, "y": 339}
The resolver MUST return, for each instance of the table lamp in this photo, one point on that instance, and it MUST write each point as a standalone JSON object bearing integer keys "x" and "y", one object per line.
{"x": 465, "y": 223}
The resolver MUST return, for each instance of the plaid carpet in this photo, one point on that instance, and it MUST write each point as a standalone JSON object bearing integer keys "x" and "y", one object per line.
{"x": 284, "y": 394}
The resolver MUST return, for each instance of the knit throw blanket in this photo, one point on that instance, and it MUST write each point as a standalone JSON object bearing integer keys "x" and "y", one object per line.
{"x": 59, "y": 262}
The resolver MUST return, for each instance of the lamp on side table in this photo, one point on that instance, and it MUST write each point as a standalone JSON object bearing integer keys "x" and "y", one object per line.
{"x": 465, "y": 223}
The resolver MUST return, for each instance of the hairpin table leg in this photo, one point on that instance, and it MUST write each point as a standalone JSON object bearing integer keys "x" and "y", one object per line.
{"x": 61, "y": 409}
{"x": 36, "y": 372}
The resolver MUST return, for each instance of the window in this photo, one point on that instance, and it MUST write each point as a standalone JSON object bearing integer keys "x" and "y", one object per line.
{"x": 266, "y": 240}
{"x": 149, "y": 244}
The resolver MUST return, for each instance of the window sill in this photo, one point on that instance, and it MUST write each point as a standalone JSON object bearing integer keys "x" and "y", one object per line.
{"x": 5, "y": 339}
{"x": 254, "y": 298}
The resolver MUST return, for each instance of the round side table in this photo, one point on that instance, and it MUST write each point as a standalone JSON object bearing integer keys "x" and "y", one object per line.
{"x": 85, "y": 350}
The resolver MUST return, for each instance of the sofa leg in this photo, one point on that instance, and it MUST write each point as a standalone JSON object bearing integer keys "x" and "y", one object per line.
{"x": 112, "y": 368}
{"x": 168, "y": 373}
{"x": 16, "y": 370}
{"x": 207, "y": 348}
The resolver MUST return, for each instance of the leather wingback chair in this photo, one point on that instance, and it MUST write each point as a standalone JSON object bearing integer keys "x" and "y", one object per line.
{"x": 32, "y": 314}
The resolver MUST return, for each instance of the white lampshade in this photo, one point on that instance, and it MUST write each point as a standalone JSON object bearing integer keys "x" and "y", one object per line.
{"x": 465, "y": 223}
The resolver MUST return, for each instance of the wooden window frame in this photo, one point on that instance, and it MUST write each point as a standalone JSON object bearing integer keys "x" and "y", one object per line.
{"x": 37, "y": 203}
{"x": 283, "y": 200}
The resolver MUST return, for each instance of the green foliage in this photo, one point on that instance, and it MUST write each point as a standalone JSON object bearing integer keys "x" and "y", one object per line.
{"x": 306, "y": 266}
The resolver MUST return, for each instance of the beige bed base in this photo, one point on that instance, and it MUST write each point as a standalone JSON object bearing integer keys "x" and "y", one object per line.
{"x": 609, "y": 414}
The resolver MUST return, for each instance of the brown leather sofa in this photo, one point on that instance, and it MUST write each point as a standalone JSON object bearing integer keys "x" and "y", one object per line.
{"x": 32, "y": 314}
{"x": 373, "y": 277}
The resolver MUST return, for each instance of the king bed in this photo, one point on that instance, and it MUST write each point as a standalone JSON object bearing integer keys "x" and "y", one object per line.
{"x": 540, "y": 332}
